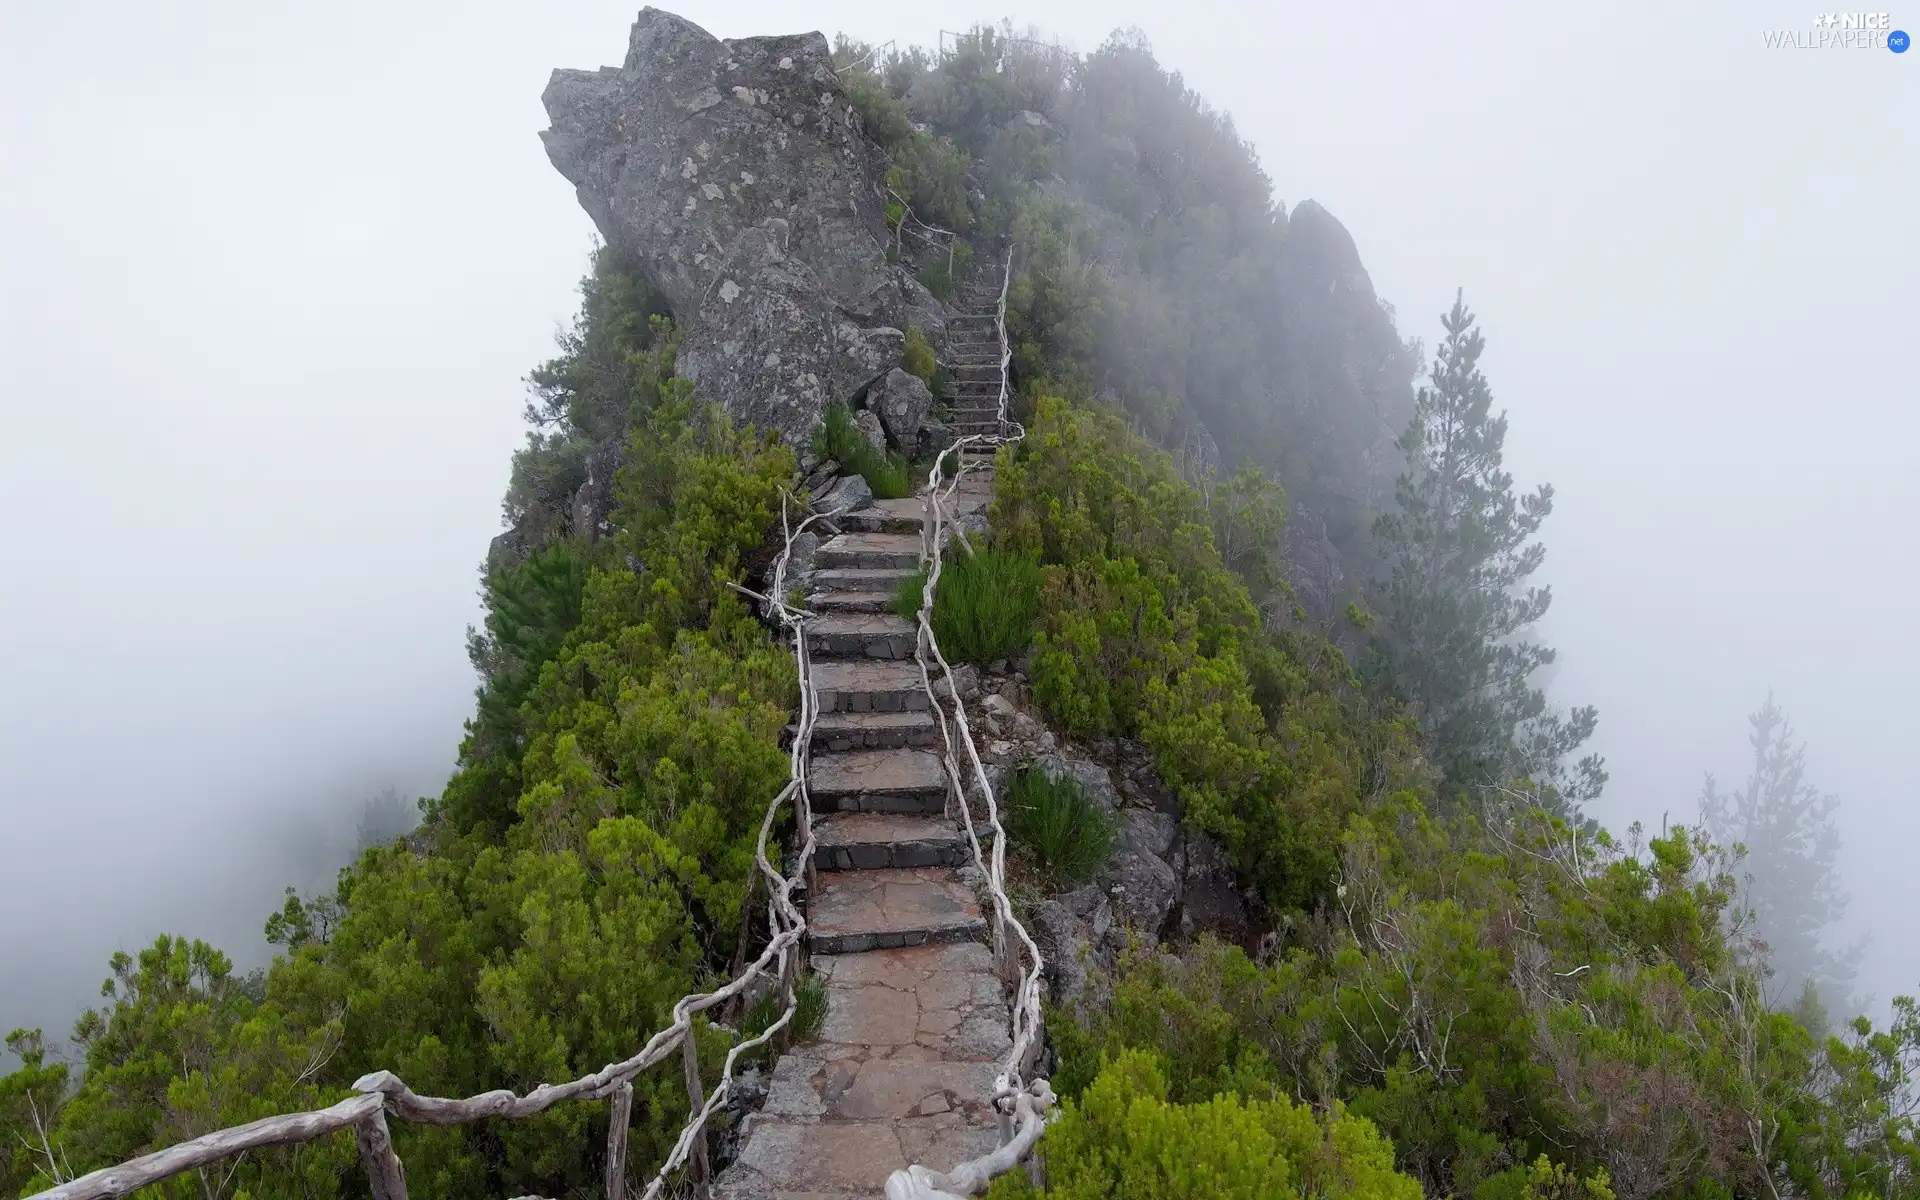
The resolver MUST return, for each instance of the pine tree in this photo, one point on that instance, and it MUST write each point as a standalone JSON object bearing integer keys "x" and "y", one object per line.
{"x": 1792, "y": 846}
{"x": 1459, "y": 549}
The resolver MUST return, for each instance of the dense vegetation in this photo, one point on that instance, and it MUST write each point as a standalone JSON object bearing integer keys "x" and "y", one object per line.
{"x": 1523, "y": 1004}
{"x": 1124, "y": 1137}
{"x": 985, "y": 607}
{"x": 584, "y": 868}
{"x": 1463, "y": 985}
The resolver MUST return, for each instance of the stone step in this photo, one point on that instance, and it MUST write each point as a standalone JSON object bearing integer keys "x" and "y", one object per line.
{"x": 856, "y": 911}
{"x": 861, "y": 635}
{"x": 861, "y": 579}
{"x": 887, "y": 781}
{"x": 871, "y": 841}
{"x": 851, "y": 602}
{"x": 870, "y": 551}
{"x": 837, "y": 732}
{"x": 887, "y": 516}
{"x": 869, "y": 685}
{"x": 903, "y": 1073}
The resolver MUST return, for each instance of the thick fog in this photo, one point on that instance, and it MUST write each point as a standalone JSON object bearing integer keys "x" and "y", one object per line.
{"x": 269, "y": 280}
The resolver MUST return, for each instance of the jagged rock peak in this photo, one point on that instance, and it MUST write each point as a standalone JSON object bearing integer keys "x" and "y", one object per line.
{"x": 736, "y": 176}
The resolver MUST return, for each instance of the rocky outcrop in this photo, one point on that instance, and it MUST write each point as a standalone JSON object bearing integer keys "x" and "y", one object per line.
{"x": 593, "y": 502}
{"x": 903, "y": 402}
{"x": 734, "y": 174}
{"x": 1161, "y": 880}
{"x": 1345, "y": 375}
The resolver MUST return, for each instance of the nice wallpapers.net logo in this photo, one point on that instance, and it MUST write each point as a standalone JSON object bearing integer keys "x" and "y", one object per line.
{"x": 1842, "y": 31}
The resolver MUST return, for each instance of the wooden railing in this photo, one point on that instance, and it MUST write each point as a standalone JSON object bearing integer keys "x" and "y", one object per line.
{"x": 930, "y": 234}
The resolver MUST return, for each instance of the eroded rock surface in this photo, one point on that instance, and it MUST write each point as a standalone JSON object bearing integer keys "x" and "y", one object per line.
{"x": 734, "y": 174}
{"x": 903, "y": 402}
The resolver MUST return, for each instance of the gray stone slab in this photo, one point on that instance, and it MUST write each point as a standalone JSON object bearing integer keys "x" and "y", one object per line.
{"x": 871, "y": 551}
{"x": 862, "y": 635}
{"x": 851, "y": 601}
{"x": 898, "y": 781}
{"x": 837, "y": 732}
{"x": 855, "y": 685}
{"x": 881, "y": 910}
{"x": 869, "y": 841}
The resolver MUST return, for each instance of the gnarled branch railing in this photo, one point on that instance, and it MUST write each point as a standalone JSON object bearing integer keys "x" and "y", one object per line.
{"x": 383, "y": 1092}
{"x": 1021, "y": 1102}
{"x": 924, "y": 233}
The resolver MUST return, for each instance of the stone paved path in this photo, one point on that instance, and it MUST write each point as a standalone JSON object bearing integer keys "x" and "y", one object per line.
{"x": 917, "y": 1018}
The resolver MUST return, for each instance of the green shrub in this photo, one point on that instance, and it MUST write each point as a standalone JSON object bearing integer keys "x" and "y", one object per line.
{"x": 916, "y": 355}
{"x": 840, "y": 439}
{"x": 1544, "y": 1180}
{"x": 1067, "y": 833}
{"x": 987, "y": 606}
{"x": 940, "y": 278}
{"x": 1123, "y": 1138}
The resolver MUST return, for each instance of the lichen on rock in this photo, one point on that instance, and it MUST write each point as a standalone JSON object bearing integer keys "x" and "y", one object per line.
{"x": 736, "y": 176}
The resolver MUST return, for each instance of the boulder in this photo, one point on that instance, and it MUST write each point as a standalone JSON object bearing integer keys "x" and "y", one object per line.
{"x": 869, "y": 426}
{"x": 847, "y": 494}
{"x": 735, "y": 177}
{"x": 903, "y": 402}
{"x": 1142, "y": 889}
{"x": 966, "y": 677}
{"x": 1145, "y": 831}
{"x": 820, "y": 477}
{"x": 1089, "y": 775}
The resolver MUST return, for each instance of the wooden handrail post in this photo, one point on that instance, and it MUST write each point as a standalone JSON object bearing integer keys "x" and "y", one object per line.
{"x": 737, "y": 1004}
{"x": 385, "y": 1176}
{"x": 617, "y": 1141}
{"x": 699, "y": 1169}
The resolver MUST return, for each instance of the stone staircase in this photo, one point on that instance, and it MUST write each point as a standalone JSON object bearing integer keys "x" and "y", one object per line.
{"x": 973, "y": 358}
{"x": 917, "y": 1017}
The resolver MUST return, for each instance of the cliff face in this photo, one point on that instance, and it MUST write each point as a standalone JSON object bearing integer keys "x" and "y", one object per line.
{"x": 736, "y": 175}
{"x": 1344, "y": 386}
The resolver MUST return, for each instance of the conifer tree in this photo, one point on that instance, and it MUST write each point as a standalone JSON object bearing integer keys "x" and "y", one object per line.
{"x": 1455, "y": 605}
{"x": 1785, "y": 824}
